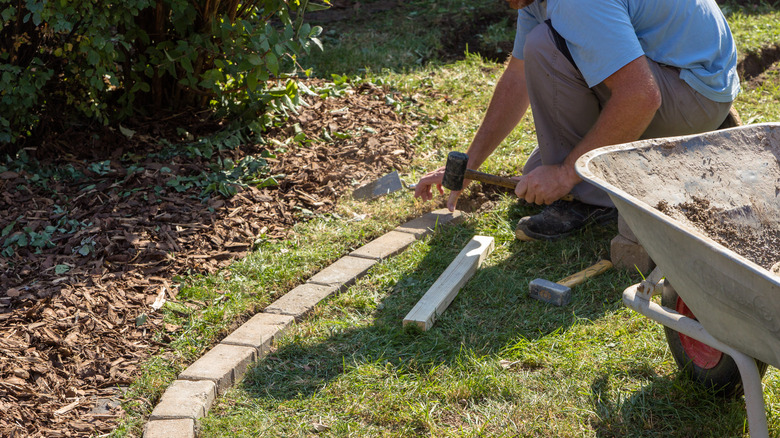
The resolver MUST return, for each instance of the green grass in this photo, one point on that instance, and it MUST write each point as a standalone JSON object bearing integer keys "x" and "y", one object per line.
{"x": 754, "y": 27}
{"x": 405, "y": 36}
{"x": 496, "y": 363}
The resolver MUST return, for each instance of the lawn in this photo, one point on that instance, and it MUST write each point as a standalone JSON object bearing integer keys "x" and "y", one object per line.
{"x": 497, "y": 362}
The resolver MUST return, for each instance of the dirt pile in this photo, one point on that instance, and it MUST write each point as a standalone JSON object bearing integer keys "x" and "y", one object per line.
{"x": 751, "y": 231}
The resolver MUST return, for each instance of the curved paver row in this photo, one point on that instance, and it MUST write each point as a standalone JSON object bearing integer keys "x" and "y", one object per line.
{"x": 190, "y": 397}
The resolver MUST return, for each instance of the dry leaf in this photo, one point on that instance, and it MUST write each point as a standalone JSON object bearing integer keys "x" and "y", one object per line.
{"x": 160, "y": 300}
{"x": 319, "y": 427}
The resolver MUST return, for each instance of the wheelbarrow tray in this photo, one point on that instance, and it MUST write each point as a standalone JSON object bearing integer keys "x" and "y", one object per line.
{"x": 736, "y": 300}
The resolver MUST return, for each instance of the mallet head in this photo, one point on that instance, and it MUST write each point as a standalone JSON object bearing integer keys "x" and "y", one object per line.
{"x": 549, "y": 292}
{"x": 455, "y": 170}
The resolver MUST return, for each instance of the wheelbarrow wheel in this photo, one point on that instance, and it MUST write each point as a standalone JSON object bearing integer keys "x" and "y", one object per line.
{"x": 703, "y": 364}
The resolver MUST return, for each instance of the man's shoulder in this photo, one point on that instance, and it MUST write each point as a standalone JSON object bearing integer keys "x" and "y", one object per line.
{"x": 577, "y": 8}
{"x": 537, "y": 10}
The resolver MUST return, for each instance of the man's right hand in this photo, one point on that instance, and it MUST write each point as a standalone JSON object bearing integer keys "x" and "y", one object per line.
{"x": 435, "y": 177}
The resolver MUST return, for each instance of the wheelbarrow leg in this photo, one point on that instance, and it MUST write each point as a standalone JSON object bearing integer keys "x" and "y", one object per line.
{"x": 637, "y": 298}
{"x": 754, "y": 394}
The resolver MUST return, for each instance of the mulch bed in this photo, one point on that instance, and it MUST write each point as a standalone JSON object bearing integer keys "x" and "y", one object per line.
{"x": 70, "y": 332}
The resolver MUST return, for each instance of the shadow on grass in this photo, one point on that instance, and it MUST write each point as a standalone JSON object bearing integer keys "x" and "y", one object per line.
{"x": 491, "y": 313}
{"x": 663, "y": 408}
{"x": 356, "y": 348}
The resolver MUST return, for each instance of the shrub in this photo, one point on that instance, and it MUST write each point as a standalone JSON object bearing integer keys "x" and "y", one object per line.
{"x": 108, "y": 60}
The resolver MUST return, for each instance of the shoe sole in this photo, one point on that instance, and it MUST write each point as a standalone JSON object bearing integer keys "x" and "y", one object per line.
{"x": 530, "y": 236}
{"x": 533, "y": 237}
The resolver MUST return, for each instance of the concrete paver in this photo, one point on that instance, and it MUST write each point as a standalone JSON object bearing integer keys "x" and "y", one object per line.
{"x": 385, "y": 246}
{"x": 260, "y": 332}
{"x": 301, "y": 300}
{"x": 343, "y": 272}
{"x": 223, "y": 365}
{"x": 425, "y": 224}
{"x": 183, "y": 428}
{"x": 185, "y": 399}
{"x": 625, "y": 231}
{"x": 626, "y": 254}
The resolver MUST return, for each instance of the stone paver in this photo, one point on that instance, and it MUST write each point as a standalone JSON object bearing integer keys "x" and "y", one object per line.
{"x": 185, "y": 399}
{"x": 183, "y": 428}
{"x": 426, "y": 223}
{"x": 625, "y": 230}
{"x": 223, "y": 365}
{"x": 301, "y": 300}
{"x": 343, "y": 272}
{"x": 386, "y": 246}
{"x": 629, "y": 255}
{"x": 260, "y": 332}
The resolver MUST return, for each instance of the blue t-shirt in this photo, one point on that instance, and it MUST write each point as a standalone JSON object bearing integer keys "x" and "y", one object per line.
{"x": 605, "y": 35}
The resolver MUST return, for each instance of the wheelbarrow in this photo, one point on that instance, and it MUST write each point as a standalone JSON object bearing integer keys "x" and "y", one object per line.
{"x": 720, "y": 303}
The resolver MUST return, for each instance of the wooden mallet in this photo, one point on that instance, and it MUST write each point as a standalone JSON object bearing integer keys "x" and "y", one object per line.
{"x": 560, "y": 293}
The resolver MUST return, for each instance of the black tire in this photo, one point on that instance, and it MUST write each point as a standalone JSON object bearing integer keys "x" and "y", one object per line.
{"x": 701, "y": 363}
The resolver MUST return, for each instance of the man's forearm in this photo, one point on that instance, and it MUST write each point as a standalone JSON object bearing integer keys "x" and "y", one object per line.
{"x": 507, "y": 106}
{"x": 625, "y": 116}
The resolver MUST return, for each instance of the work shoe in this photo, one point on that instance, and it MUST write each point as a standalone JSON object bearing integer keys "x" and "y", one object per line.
{"x": 561, "y": 218}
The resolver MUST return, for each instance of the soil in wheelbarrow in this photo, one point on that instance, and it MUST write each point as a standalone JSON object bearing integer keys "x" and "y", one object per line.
{"x": 750, "y": 231}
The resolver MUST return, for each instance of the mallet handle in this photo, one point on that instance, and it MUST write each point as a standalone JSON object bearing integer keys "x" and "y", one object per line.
{"x": 496, "y": 180}
{"x": 581, "y": 276}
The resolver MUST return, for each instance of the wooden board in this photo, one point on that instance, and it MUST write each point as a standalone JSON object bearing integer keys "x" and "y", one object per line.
{"x": 449, "y": 283}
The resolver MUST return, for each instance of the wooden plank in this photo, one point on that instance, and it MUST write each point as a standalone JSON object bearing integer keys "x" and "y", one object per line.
{"x": 449, "y": 283}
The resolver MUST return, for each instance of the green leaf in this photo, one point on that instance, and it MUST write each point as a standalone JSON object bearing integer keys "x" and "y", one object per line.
{"x": 318, "y": 43}
{"x": 61, "y": 269}
{"x": 313, "y": 7}
{"x": 8, "y": 13}
{"x": 93, "y": 57}
{"x": 272, "y": 62}
{"x": 268, "y": 182}
{"x": 255, "y": 59}
{"x": 129, "y": 133}
{"x": 186, "y": 63}
{"x": 251, "y": 81}
{"x": 8, "y": 228}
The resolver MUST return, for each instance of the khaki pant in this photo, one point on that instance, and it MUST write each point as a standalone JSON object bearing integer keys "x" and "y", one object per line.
{"x": 564, "y": 108}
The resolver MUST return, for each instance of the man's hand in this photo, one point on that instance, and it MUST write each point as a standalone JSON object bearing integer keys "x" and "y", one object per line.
{"x": 434, "y": 178}
{"x": 546, "y": 184}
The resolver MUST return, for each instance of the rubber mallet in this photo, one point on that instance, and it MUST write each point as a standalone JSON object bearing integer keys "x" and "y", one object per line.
{"x": 456, "y": 170}
{"x": 560, "y": 293}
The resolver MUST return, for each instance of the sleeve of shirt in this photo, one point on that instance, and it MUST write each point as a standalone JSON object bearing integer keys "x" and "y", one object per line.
{"x": 599, "y": 35}
{"x": 525, "y": 22}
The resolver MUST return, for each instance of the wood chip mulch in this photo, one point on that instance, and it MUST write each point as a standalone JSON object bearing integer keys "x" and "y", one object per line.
{"x": 70, "y": 332}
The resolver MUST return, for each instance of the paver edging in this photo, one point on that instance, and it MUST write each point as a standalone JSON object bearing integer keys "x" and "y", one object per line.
{"x": 242, "y": 350}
